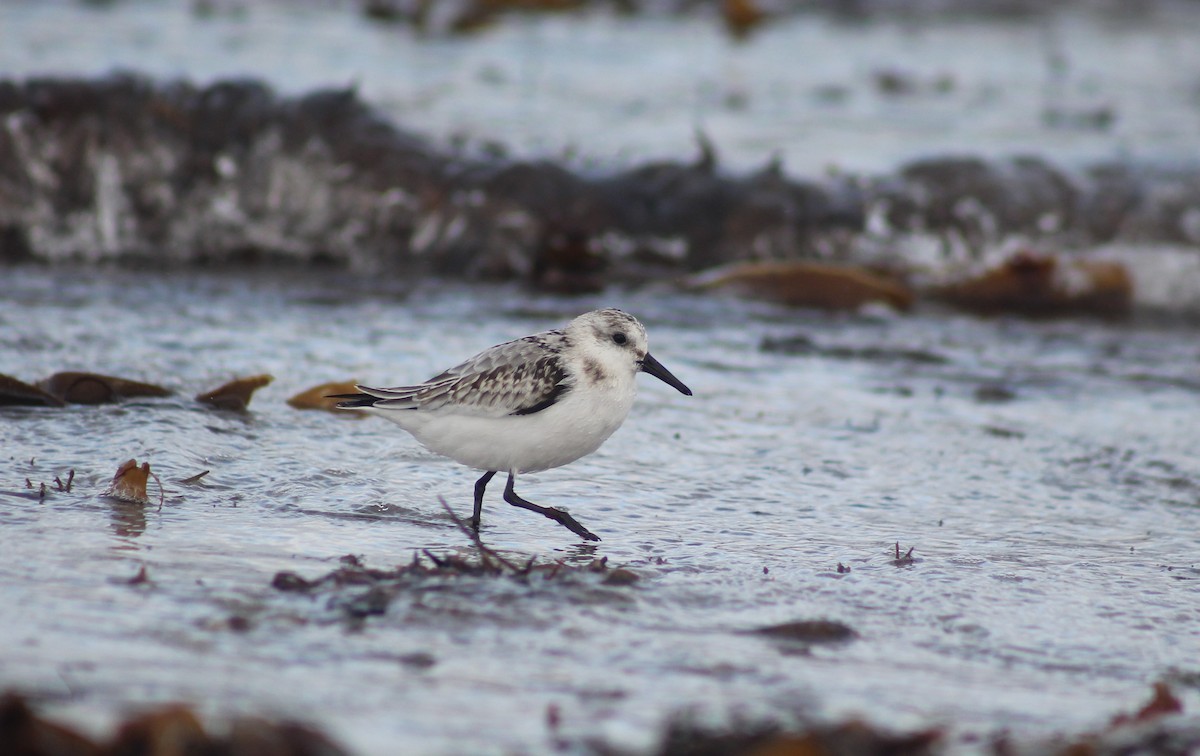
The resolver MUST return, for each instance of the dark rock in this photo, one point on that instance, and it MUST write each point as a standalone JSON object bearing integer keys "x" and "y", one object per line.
{"x": 123, "y": 168}
{"x": 974, "y": 196}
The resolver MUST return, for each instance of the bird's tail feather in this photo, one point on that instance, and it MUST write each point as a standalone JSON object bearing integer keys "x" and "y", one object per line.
{"x": 354, "y": 401}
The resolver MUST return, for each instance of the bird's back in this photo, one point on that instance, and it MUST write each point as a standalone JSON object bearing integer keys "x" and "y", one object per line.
{"x": 517, "y": 377}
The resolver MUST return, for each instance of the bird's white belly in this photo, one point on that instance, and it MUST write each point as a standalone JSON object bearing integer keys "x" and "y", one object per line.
{"x": 562, "y": 433}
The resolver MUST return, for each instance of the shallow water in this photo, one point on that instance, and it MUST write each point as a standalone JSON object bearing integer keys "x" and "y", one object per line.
{"x": 1044, "y": 474}
{"x": 814, "y": 91}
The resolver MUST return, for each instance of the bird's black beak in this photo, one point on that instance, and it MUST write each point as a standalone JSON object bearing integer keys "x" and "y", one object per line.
{"x": 655, "y": 368}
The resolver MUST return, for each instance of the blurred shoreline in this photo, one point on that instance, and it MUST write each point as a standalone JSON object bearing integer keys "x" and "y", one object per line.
{"x": 127, "y": 168}
{"x": 926, "y": 145}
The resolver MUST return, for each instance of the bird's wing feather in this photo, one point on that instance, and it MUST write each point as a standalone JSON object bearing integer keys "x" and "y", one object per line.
{"x": 514, "y": 378}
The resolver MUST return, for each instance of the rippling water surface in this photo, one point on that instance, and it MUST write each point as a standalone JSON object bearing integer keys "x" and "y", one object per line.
{"x": 1044, "y": 474}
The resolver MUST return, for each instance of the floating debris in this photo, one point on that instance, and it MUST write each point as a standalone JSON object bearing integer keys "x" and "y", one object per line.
{"x": 1034, "y": 284}
{"x": 355, "y": 592}
{"x": 94, "y": 388}
{"x": 177, "y": 729}
{"x": 66, "y": 487}
{"x": 427, "y": 564}
{"x": 620, "y": 576}
{"x": 319, "y": 397}
{"x": 1161, "y": 703}
{"x": 40, "y": 488}
{"x": 129, "y": 484}
{"x": 684, "y": 736}
{"x": 806, "y": 284}
{"x": 236, "y": 394}
{"x": 1001, "y": 432}
{"x": 24, "y": 732}
{"x": 358, "y": 592}
{"x": 994, "y": 393}
{"x": 1151, "y": 729}
{"x": 808, "y": 631}
{"x": 195, "y": 479}
{"x": 174, "y": 729}
{"x": 894, "y": 82}
{"x": 801, "y": 344}
{"x": 16, "y": 392}
{"x": 741, "y": 17}
{"x": 905, "y": 560}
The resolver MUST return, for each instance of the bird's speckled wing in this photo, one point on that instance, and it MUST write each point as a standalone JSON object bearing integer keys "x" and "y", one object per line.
{"x": 515, "y": 378}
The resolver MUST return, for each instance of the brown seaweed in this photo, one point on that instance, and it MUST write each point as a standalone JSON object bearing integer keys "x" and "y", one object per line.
{"x": 236, "y": 394}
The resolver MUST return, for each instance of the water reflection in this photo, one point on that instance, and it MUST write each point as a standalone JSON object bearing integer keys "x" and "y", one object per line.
{"x": 580, "y": 553}
{"x": 128, "y": 520}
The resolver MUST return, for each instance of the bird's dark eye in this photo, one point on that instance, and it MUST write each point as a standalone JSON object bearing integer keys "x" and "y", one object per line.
{"x": 619, "y": 338}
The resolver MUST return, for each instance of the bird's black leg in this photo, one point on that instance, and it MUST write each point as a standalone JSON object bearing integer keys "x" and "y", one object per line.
{"x": 558, "y": 515}
{"x": 480, "y": 485}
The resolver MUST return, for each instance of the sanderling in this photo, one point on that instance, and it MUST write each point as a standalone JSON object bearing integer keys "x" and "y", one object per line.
{"x": 527, "y": 405}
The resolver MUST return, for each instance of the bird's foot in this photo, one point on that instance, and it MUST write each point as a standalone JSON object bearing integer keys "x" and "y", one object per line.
{"x": 562, "y": 517}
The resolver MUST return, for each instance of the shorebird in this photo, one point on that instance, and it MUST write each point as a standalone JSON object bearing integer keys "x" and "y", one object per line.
{"x": 527, "y": 405}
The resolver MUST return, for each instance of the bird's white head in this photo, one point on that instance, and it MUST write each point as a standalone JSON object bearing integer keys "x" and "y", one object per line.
{"x": 613, "y": 345}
